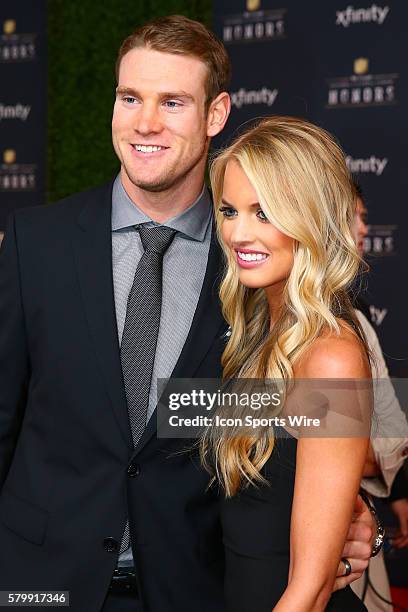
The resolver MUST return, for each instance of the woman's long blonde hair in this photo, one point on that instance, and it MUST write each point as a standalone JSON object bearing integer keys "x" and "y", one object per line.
{"x": 304, "y": 188}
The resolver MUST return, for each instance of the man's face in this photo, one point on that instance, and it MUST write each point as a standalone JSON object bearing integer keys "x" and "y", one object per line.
{"x": 159, "y": 126}
{"x": 360, "y": 225}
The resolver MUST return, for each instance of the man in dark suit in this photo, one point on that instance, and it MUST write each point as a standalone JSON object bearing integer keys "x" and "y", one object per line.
{"x": 101, "y": 294}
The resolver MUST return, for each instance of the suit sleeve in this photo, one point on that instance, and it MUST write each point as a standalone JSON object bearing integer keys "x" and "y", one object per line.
{"x": 14, "y": 362}
{"x": 399, "y": 489}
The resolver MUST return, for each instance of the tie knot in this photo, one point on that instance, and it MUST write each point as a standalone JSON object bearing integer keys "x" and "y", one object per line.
{"x": 156, "y": 239}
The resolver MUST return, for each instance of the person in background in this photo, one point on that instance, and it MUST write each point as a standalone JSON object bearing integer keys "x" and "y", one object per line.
{"x": 384, "y": 470}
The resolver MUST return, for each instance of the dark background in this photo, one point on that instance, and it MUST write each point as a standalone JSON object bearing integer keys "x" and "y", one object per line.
{"x": 57, "y": 58}
{"x": 66, "y": 78}
{"x": 301, "y": 56}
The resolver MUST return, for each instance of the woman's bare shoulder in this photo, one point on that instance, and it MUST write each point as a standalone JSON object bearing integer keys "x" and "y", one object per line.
{"x": 335, "y": 356}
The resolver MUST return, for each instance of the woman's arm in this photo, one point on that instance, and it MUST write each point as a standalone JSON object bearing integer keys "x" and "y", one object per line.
{"x": 328, "y": 474}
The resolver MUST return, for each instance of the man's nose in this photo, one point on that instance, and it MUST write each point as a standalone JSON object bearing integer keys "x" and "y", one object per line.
{"x": 148, "y": 120}
{"x": 363, "y": 228}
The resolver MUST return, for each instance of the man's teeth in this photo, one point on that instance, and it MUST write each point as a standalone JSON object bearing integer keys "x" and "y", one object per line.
{"x": 148, "y": 148}
{"x": 251, "y": 256}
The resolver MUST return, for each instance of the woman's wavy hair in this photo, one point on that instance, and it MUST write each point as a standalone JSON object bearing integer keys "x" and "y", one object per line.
{"x": 305, "y": 190}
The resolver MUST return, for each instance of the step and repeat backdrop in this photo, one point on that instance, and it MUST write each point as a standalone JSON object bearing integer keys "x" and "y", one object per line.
{"x": 341, "y": 65}
{"x": 344, "y": 66}
{"x": 23, "y": 105}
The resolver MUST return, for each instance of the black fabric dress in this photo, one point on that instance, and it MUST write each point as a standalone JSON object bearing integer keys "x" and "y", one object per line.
{"x": 256, "y": 531}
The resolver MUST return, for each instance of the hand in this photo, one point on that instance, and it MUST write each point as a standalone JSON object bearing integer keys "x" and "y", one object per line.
{"x": 400, "y": 509}
{"x": 358, "y": 545}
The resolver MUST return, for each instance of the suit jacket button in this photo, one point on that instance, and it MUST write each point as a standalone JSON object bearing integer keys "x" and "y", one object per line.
{"x": 110, "y": 544}
{"x": 133, "y": 469}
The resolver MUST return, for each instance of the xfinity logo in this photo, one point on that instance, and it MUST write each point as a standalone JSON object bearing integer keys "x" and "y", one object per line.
{"x": 377, "y": 315}
{"x": 371, "y": 165}
{"x": 374, "y": 14}
{"x": 18, "y": 111}
{"x": 254, "y": 96}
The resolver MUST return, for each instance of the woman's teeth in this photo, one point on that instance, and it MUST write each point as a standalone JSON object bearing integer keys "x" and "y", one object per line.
{"x": 251, "y": 256}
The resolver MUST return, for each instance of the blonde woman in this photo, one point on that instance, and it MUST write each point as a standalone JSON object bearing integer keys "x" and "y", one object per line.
{"x": 285, "y": 205}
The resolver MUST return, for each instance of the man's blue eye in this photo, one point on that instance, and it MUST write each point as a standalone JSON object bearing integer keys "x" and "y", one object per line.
{"x": 172, "y": 103}
{"x": 227, "y": 211}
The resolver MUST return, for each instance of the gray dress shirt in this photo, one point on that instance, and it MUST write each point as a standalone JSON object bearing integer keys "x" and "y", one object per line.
{"x": 184, "y": 267}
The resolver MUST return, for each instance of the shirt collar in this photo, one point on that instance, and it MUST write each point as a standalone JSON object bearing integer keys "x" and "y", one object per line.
{"x": 192, "y": 222}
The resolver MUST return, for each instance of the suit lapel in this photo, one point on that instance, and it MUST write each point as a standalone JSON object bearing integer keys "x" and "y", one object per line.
{"x": 92, "y": 243}
{"x": 207, "y": 323}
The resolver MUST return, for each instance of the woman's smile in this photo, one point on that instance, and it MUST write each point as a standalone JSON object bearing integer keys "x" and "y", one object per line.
{"x": 248, "y": 258}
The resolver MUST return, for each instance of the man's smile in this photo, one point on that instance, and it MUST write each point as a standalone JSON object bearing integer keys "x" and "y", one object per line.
{"x": 148, "y": 149}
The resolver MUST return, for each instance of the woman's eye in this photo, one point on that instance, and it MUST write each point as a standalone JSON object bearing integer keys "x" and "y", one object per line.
{"x": 261, "y": 216}
{"x": 227, "y": 211}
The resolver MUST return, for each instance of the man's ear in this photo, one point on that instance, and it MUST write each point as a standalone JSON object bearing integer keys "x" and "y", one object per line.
{"x": 218, "y": 114}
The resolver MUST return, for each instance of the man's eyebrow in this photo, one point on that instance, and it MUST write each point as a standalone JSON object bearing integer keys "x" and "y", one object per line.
{"x": 129, "y": 91}
{"x": 177, "y": 94}
{"x": 125, "y": 90}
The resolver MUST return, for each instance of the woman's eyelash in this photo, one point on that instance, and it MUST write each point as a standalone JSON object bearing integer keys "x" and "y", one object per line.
{"x": 261, "y": 216}
{"x": 227, "y": 211}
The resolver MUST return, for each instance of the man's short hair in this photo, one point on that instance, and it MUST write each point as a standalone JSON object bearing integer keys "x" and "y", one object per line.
{"x": 358, "y": 191}
{"x": 182, "y": 36}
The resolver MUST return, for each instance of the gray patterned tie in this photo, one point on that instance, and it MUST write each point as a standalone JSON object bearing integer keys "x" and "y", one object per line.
{"x": 139, "y": 339}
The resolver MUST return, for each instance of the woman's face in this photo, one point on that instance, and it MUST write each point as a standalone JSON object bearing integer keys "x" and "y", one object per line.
{"x": 263, "y": 253}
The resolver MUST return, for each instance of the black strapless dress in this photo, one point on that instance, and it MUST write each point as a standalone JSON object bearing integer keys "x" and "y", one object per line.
{"x": 256, "y": 531}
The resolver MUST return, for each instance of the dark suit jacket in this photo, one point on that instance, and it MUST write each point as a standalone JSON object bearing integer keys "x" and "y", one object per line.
{"x": 65, "y": 442}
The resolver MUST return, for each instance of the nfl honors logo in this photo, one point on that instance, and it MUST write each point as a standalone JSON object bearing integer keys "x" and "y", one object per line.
{"x": 254, "y": 24}
{"x": 16, "y": 47}
{"x": 253, "y": 5}
{"x": 380, "y": 241}
{"x": 16, "y": 177}
{"x": 362, "y": 88}
{"x": 361, "y": 65}
{"x": 9, "y": 156}
{"x": 9, "y": 26}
